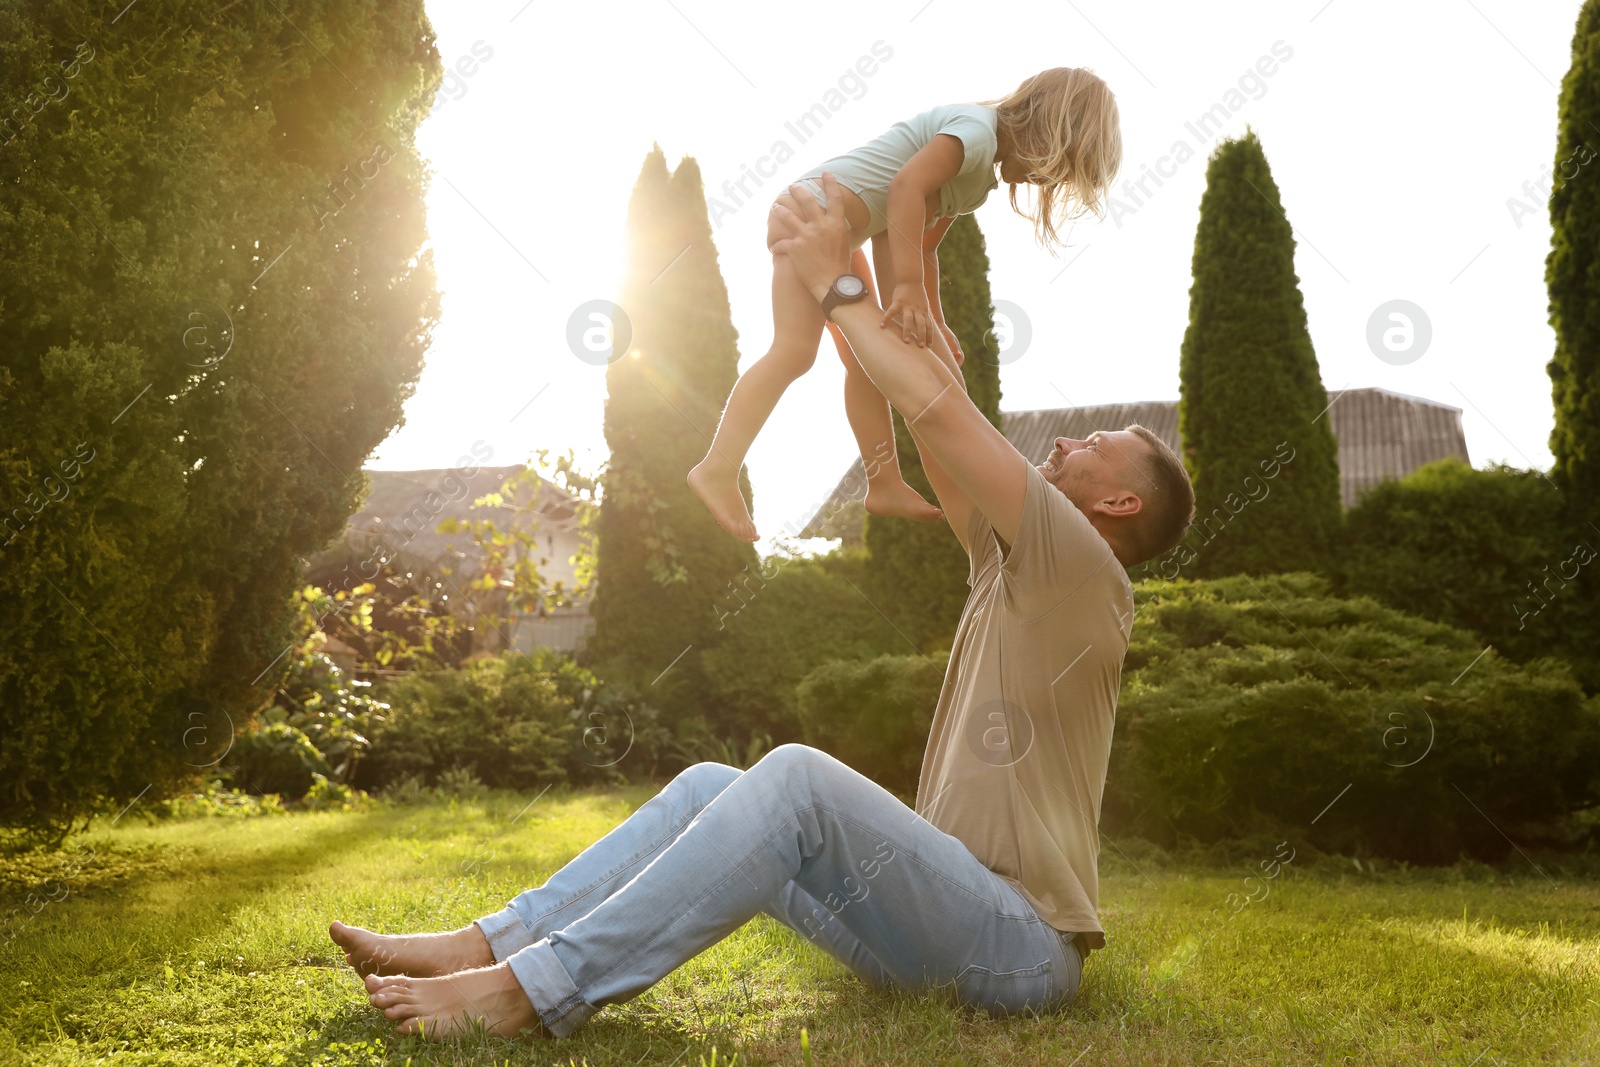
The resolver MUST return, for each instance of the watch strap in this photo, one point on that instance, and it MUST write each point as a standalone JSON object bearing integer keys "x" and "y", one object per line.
{"x": 833, "y": 299}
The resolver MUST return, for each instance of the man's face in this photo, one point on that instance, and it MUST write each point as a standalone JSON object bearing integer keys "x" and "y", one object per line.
{"x": 1102, "y": 466}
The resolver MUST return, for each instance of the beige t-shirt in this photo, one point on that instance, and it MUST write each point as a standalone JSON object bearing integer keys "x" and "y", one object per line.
{"x": 1021, "y": 737}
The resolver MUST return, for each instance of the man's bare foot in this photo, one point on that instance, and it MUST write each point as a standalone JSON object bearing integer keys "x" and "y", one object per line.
{"x": 422, "y": 955}
{"x": 456, "y": 1003}
{"x": 716, "y": 483}
{"x": 893, "y": 498}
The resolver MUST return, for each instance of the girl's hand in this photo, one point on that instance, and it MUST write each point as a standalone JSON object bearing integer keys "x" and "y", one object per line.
{"x": 955, "y": 346}
{"x": 909, "y": 307}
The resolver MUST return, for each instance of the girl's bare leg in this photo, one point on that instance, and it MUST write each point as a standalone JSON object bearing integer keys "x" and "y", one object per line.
{"x": 797, "y": 327}
{"x": 870, "y": 421}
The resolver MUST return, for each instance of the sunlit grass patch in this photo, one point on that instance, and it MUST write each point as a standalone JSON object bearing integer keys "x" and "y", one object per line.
{"x": 204, "y": 942}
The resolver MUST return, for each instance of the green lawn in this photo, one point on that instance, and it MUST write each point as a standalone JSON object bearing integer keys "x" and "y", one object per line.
{"x": 203, "y": 942}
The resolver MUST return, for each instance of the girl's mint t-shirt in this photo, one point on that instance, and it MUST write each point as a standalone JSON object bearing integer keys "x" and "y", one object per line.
{"x": 868, "y": 170}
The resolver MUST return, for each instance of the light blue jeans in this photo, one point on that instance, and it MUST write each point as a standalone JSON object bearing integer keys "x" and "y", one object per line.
{"x": 805, "y": 839}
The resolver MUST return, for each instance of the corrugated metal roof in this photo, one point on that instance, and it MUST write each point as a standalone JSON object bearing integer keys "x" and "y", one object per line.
{"x": 1379, "y": 434}
{"x": 1385, "y": 435}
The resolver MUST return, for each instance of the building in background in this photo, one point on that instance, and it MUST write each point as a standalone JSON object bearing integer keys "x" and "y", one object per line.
{"x": 403, "y": 513}
{"x": 1381, "y": 435}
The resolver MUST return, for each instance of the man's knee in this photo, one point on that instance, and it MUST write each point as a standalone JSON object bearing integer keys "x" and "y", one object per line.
{"x": 703, "y": 781}
{"x": 793, "y": 758}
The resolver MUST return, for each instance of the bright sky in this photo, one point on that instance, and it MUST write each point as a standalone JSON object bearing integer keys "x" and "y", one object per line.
{"x": 1400, "y": 135}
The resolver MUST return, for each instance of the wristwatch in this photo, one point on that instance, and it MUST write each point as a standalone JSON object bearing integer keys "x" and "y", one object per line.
{"x": 846, "y": 289}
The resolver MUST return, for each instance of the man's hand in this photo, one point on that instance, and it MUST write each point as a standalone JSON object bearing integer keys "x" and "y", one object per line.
{"x": 817, "y": 241}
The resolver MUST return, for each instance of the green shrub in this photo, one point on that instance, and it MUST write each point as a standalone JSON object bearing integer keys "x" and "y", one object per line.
{"x": 216, "y": 800}
{"x": 1485, "y": 550}
{"x": 516, "y": 722}
{"x": 874, "y": 715}
{"x": 461, "y": 783}
{"x": 277, "y": 758}
{"x": 335, "y": 712}
{"x": 326, "y": 795}
{"x": 1251, "y": 705}
{"x": 695, "y": 746}
{"x": 778, "y": 625}
{"x": 501, "y": 719}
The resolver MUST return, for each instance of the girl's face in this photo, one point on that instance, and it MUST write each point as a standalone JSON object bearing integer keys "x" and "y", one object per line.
{"x": 1013, "y": 171}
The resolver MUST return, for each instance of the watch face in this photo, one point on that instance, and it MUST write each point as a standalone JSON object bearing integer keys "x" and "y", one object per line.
{"x": 849, "y": 285}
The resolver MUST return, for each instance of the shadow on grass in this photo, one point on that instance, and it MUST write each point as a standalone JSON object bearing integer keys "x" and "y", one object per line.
{"x": 237, "y": 878}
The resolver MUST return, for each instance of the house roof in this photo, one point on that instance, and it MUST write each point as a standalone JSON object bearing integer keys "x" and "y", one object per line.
{"x": 403, "y": 511}
{"x": 1380, "y": 435}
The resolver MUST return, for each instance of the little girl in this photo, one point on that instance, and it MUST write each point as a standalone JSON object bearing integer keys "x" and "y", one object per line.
{"x": 1058, "y": 131}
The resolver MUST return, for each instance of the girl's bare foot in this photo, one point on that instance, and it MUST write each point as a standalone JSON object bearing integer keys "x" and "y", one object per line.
{"x": 893, "y": 498}
{"x": 456, "y": 1003}
{"x": 415, "y": 954}
{"x": 716, "y": 483}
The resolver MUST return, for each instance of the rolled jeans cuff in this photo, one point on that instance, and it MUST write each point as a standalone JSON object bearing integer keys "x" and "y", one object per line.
{"x": 550, "y": 989}
{"x": 505, "y": 932}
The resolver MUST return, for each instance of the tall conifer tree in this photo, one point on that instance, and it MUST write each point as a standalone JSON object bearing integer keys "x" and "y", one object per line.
{"x": 1264, "y": 465}
{"x": 663, "y": 562}
{"x": 1571, "y": 272}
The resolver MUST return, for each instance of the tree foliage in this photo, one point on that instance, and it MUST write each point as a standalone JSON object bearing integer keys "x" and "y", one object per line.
{"x": 919, "y": 573}
{"x": 874, "y": 714}
{"x": 1572, "y": 272}
{"x": 662, "y": 561}
{"x": 1251, "y": 391}
{"x": 216, "y": 300}
{"x": 779, "y": 624}
{"x": 1491, "y": 551}
{"x": 1250, "y": 705}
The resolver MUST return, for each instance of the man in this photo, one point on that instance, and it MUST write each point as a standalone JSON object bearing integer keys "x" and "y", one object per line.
{"x": 989, "y": 887}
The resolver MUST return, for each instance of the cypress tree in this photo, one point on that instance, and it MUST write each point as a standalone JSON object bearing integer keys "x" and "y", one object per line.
{"x": 1264, "y": 466}
{"x": 216, "y": 300}
{"x": 663, "y": 563}
{"x": 1570, "y": 273}
{"x": 919, "y": 572}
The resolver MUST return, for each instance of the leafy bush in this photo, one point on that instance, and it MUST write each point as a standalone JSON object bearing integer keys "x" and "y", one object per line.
{"x": 516, "y": 722}
{"x": 700, "y": 747}
{"x": 336, "y": 713}
{"x": 614, "y": 735}
{"x": 461, "y": 782}
{"x": 315, "y": 729}
{"x": 501, "y": 719}
{"x": 874, "y": 715}
{"x": 275, "y": 757}
{"x": 216, "y": 800}
{"x": 1251, "y": 705}
{"x": 1485, "y": 550}
{"x": 778, "y": 625}
{"x": 327, "y": 795}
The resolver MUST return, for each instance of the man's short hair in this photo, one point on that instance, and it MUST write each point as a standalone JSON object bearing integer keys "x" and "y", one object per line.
{"x": 1167, "y": 496}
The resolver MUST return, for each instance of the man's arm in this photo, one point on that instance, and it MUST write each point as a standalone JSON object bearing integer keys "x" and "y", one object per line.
{"x": 949, "y": 429}
{"x": 956, "y": 505}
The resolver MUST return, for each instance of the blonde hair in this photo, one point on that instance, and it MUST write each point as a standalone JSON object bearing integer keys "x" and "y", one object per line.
{"x": 1064, "y": 125}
